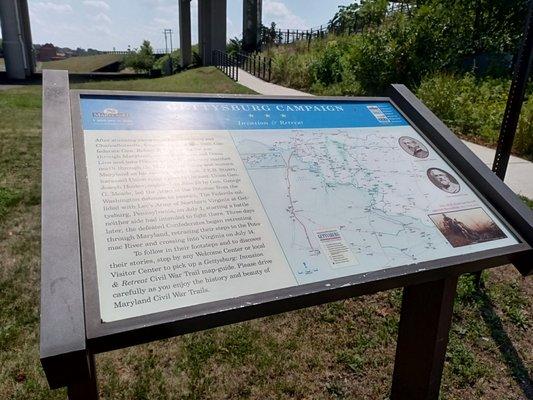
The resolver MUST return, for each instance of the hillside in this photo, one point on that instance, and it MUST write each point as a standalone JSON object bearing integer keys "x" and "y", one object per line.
{"x": 85, "y": 63}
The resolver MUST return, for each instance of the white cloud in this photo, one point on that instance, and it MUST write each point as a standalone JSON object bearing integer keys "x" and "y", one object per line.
{"x": 278, "y": 12}
{"x": 100, "y": 4}
{"x": 232, "y": 30}
{"x": 101, "y": 30}
{"x": 54, "y": 7}
{"x": 163, "y": 22}
{"x": 101, "y": 17}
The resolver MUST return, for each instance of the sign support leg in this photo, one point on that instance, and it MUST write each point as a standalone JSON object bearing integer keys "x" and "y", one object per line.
{"x": 88, "y": 388}
{"x": 422, "y": 339}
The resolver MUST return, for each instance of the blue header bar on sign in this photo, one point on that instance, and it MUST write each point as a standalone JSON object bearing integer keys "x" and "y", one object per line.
{"x": 126, "y": 113}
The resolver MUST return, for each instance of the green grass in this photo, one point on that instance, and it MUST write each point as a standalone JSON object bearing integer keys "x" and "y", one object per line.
{"x": 83, "y": 63}
{"x": 529, "y": 202}
{"x": 343, "y": 350}
{"x": 201, "y": 80}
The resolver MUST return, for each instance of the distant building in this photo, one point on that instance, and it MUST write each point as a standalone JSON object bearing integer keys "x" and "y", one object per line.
{"x": 47, "y": 52}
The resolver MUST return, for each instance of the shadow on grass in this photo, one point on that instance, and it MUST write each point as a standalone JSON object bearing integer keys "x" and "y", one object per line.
{"x": 74, "y": 77}
{"x": 507, "y": 349}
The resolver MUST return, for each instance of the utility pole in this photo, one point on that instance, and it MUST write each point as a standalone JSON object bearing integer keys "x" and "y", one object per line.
{"x": 165, "y": 31}
{"x": 169, "y": 33}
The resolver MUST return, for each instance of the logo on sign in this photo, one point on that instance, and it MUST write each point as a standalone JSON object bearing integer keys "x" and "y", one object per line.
{"x": 110, "y": 113}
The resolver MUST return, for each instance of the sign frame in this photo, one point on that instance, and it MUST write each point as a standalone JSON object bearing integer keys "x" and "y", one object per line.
{"x": 101, "y": 337}
{"x": 113, "y": 335}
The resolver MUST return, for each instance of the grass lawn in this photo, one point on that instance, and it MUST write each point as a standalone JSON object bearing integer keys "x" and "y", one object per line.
{"x": 201, "y": 80}
{"x": 83, "y": 63}
{"x": 343, "y": 350}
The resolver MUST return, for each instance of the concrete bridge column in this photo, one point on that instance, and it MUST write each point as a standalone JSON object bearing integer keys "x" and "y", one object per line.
{"x": 17, "y": 43}
{"x": 211, "y": 28}
{"x": 251, "y": 25}
{"x": 185, "y": 32}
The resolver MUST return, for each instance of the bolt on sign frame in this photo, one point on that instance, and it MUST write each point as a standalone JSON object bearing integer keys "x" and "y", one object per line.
{"x": 72, "y": 322}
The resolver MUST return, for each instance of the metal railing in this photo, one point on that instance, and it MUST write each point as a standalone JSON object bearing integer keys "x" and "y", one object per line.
{"x": 156, "y": 52}
{"x": 226, "y": 63}
{"x": 256, "y": 64}
{"x": 277, "y": 37}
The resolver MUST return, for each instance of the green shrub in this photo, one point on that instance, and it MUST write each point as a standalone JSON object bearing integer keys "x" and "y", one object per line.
{"x": 468, "y": 106}
{"x": 175, "y": 60}
{"x": 292, "y": 70}
{"x": 475, "y": 107}
{"x": 327, "y": 68}
{"x": 142, "y": 60}
{"x": 524, "y": 136}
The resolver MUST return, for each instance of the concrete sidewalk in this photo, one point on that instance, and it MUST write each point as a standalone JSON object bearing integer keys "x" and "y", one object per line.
{"x": 266, "y": 88}
{"x": 519, "y": 175}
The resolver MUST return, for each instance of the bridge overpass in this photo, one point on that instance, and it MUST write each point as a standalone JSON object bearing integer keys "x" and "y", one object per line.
{"x": 212, "y": 27}
{"x": 20, "y": 58}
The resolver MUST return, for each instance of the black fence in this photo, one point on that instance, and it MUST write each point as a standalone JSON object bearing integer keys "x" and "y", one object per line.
{"x": 226, "y": 63}
{"x": 256, "y": 65}
{"x": 155, "y": 51}
{"x": 276, "y": 37}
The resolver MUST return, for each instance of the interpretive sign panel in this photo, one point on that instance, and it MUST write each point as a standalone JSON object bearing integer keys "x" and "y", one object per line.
{"x": 200, "y": 200}
{"x": 165, "y": 214}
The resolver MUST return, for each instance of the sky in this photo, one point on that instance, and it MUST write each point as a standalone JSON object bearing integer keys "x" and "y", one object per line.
{"x": 117, "y": 24}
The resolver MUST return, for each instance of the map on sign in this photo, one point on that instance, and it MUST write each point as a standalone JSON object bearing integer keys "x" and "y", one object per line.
{"x": 199, "y": 201}
{"x": 345, "y": 201}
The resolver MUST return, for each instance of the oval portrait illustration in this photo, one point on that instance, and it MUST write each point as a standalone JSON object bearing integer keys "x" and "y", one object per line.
{"x": 413, "y": 147}
{"x": 443, "y": 180}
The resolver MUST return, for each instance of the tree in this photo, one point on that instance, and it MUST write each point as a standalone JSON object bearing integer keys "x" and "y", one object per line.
{"x": 234, "y": 46}
{"x": 143, "y": 60}
{"x": 356, "y": 17}
{"x": 345, "y": 19}
{"x": 372, "y": 13}
{"x": 269, "y": 36}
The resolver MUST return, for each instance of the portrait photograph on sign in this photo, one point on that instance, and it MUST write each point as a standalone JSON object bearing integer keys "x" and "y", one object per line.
{"x": 413, "y": 147}
{"x": 443, "y": 180}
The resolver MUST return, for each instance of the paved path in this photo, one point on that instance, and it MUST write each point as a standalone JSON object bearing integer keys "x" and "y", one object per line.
{"x": 6, "y": 87}
{"x": 519, "y": 175}
{"x": 268, "y": 89}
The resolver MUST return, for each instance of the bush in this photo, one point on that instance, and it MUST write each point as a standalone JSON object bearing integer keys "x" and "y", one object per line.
{"x": 175, "y": 59}
{"x": 468, "y": 106}
{"x": 524, "y": 136}
{"x": 475, "y": 107}
{"x": 142, "y": 60}
{"x": 327, "y": 68}
{"x": 291, "y": 69}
